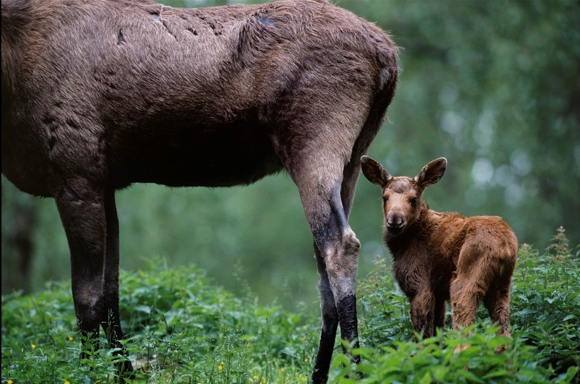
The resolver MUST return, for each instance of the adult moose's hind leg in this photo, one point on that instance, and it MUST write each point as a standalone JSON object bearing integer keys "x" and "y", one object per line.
{"x": 320, "y": 134}
{"x": 329, "y": 321}
{"x": 336, "y": 250}
{"x": 337, "y": 278}
{"x": 321, "y": 183}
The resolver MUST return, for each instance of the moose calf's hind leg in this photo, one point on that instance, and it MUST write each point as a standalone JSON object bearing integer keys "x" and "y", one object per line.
{"x": 497, "y": 302}
{"x": 498, "y": 307}
{"x": 439, "y": 316}
{"x": 464, "y": 301}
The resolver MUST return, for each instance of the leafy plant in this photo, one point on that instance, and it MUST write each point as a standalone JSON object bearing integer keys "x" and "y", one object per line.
{"x": 181, "y": 328}
{"x": 545, "y": 327}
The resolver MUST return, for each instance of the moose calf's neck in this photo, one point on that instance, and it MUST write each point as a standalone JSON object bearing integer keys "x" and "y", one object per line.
{"x": 429, "y": 236}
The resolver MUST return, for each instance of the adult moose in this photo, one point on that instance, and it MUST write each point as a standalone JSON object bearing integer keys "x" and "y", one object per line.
{"x": 99, "y": 95}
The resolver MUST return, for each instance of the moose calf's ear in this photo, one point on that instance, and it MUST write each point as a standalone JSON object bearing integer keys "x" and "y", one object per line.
{"x": 431, "y": 173}
{"x": 374, "y": 172}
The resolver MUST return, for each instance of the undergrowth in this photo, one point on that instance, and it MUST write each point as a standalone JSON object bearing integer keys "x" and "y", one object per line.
{"x": 182, "y": 329}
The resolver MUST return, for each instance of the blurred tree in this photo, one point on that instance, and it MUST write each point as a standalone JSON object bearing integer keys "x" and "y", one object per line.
{"x": 493, "y": 86}
{"x": 19, "y": 217}
{"x": 34, "y": 248}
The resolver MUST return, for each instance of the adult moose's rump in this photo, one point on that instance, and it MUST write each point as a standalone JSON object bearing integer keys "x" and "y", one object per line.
{"x": 99, "y": 95}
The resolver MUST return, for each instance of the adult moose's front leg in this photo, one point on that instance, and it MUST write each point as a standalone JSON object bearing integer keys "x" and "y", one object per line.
{"x": 112, "y": 324}
{"x": 82, "y": 211}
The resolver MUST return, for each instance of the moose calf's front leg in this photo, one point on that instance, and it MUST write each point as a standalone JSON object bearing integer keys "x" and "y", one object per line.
{"x": 422, "y": 313}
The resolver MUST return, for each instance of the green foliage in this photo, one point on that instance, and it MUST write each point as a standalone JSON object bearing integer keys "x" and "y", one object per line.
{"x": 548, "y": 316}
{"x": 433, "y": 361}
{"x": 181, "y": 328}
{"x": 545, "y": 327}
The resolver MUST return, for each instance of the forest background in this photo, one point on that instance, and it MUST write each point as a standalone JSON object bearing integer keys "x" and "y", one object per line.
{"x": 492, "y": 86}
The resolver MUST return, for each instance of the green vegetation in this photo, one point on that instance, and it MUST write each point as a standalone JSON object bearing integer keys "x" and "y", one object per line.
{"x": 491, "y": 85}
{"x": 183, "y": 329}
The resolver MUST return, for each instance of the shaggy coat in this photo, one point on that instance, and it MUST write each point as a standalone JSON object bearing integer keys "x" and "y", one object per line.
{"x": 97, "y": 95}
{"x": 444, "y": 256}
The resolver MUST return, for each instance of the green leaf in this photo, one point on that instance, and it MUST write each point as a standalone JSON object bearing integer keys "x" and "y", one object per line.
{"x": 496, "y": 373}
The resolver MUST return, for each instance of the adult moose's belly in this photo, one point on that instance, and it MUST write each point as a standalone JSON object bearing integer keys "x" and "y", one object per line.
{"x": 182, "y": 154}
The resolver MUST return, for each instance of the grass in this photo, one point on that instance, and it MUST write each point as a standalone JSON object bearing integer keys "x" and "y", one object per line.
{"x": 182, "y": 329}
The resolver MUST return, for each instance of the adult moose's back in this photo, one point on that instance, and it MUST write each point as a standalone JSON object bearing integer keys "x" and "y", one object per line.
{"x": 99, "y": 95}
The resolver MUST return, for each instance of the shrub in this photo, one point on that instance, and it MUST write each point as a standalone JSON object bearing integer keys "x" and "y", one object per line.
{"x": 180, "y": 328}
{"x": 545, "y": 322}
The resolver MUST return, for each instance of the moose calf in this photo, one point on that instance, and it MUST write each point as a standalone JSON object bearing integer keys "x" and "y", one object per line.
{"x": 442, "y": 256}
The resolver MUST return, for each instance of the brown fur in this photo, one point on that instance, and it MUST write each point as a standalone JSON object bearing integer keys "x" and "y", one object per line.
{"x": 97, "y": 95}
{"x": 444, "y": 256}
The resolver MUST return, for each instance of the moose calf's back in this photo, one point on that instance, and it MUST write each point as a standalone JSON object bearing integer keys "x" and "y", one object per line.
{"x": 446, "y": 235}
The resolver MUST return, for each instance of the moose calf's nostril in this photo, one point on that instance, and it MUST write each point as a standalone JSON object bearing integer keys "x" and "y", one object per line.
{"x": 395, "y": 221}
{"x": 394, "y": 225}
